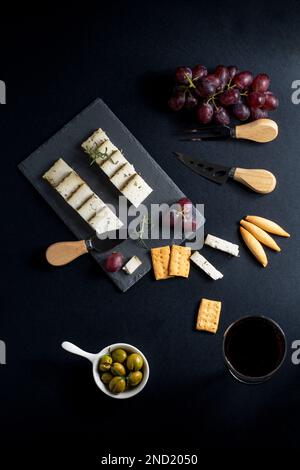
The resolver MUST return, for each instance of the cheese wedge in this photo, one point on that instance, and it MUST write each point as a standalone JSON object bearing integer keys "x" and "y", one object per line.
{"x": 132, "y": 265}
{"x": 113, "y": 164}
{"x": 136, "y": 190}
{"x": 69, "y": 185}
{"x": 81, "y": 195}
{"x": 222, "y": 245}
{"x": 94, "y": 140}
{"x": 205, "y": 265}
{"x": 123, "y": 175}
{"x": 105, "y": 221}
{"x": 91, "y": 207}
{"x": 57, "y": 172}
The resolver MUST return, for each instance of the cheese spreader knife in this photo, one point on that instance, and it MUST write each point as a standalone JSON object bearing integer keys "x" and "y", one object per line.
{"x": 260, "y": 181}
{"x": 61, "y": 253}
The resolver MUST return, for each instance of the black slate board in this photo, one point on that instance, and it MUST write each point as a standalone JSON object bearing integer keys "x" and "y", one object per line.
{"x": 66, "y": 143}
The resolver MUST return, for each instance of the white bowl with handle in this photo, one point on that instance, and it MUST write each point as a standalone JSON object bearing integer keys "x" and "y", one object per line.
{"x": 95, "y": 358}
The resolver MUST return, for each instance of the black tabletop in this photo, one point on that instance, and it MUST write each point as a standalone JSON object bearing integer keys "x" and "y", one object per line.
{"x": 125, "y": 53}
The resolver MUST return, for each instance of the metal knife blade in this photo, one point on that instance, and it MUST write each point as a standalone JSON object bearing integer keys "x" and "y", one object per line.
{"x": 214, "y": 172}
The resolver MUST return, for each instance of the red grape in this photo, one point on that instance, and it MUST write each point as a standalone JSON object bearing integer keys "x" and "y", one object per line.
{"x": 231, "y": 96}
{"x": 182, "y": 75}
{"x": 256, "y": 99}
{"x": 222, "y": 74}
{"x": 221, "y": 116}
{"x": 243, "y": 80}
{"x": 205, "y": 88}
{"x": 177, "y": 101}
{"x": 186, "y": 205}
{"x": 271, "y": 102}
{"x": 211, "y": 78}
{"x": 205, "y": 113}
{"x": 199, "y": 71}
{"x": 241, "y": 111}
{"x": 258, "y": 113}
{"x": 233, "y": 71}
{"x": 114, "y": 262}
{"x": 190, "y": 101}
{"x": 261, "y": 82}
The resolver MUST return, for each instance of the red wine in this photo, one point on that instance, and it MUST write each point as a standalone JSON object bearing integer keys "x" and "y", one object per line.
{"x": 254, "y": 346}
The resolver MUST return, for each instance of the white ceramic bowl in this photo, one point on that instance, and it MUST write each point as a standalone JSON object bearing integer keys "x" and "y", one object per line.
{"x": 95, "y": 358}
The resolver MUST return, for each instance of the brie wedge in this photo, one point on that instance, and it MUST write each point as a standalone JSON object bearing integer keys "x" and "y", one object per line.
{"x": 69, "y": 185}
{"x": 57, "y": 172}
{"x": 123, "y": 175}
{"x": 91, "y": 207}
{"x": 222, "y": 245}
{"x": 205, "y": 265}
{"x": 105, "y": 221}
{"x": 136, "y": 190}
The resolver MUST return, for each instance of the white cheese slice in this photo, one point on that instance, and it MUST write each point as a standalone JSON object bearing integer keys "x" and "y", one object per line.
{"x": 94, "y": 140}
{"x": 132, "y": 265}
{"x": 107, "y": 148}
{"x": 105, "y": 221}
{"x": 123, "y": 175}
{"x": 136, "y": 190}
{"x": 57, "y": 172}
{"x": 69, "y": 185}
{"x": 222, "y": 245}
{"x": 81, "y": 195}
{"x": 205, "y": 265}
{"x": 91, "y": 207}
{"x": 113, "y": 164}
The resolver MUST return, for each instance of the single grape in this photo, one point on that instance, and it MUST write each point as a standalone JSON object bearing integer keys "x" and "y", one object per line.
{"x": 114, "y": 262}
{"x": 186, "y": 205}
{"x": 271, "y": 102}
{"x": 258, "y": 113}
{"x": 243, "y": 80}
{"x": 199, "y": 71}
{"x": 229, "y": 97}
{"x": 241, "y": 111}
{"x": 256, "y": 99}
{"x": 221, "y": 116}
{"x": 222, "y": 74}
{"x": 261, "y": 83}
{"x": 211, "y": 78}
{"x": 205, "y": 88}
{"x": 177, "y": 101}
{"x": 190, "y": 101}
{"x": 233, "y": 71}
{"x": 183, "y": 74}
{"x": 205, "y": 113}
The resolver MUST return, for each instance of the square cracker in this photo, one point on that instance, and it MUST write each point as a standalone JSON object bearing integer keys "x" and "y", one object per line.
{"x": 160, "y": 261}
{"x": 180, "y": 261}
{"x": 208, "y": 315}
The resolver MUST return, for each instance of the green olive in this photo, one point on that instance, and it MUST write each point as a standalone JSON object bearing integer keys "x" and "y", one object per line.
{"x": 117, "y": 385}
{"x": 119, "y": 355}
{"x": 106, "y": 377}
{"x": 134, "y": 362}
{"x": 118, "y": 369}
{"x": 105, "y": 363}
{"x": 134, "y": 378}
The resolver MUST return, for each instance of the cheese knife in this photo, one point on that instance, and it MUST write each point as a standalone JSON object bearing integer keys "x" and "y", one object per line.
{"x": 258, "y": 180}
{"x": 62, "y": 253}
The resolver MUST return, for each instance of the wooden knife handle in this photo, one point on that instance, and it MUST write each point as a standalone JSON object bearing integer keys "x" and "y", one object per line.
{"x": 260, "y": 181}
{"x": 63, "y": 253}
{"x": 261, "y": 130}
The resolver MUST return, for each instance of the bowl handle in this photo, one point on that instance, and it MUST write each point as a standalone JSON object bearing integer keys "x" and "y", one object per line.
{"x": 72, "y": 348}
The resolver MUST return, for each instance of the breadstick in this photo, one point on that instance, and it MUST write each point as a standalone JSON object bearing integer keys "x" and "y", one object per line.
{"x": 267, "y": 225}
{"x": 254, "y": 246}
{"x": 262, "y": 236}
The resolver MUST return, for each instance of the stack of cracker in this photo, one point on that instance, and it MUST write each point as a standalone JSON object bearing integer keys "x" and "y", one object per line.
{"x": 171, "y": 261}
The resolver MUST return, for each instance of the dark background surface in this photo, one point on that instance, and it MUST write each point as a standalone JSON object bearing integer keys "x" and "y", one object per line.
{"x": 53, "y": 67}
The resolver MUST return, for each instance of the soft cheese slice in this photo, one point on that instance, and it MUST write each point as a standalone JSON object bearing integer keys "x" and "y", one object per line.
{"x": 205, "y": 265}
{"x": 123, "y": 175}
{"x": 105, "y": 221}
{"x": 69, "y": 185}
{"x": 81, "y": 195}
{"x": 94, "y": 140}
{"x": 222, "y": 245}
{"x": 136, "y": 190}
{"x": 132, "y": 265}
{"x": 113, "y": 164}
{"x": 57, "y": 172}
{"x": 91, "y": 207}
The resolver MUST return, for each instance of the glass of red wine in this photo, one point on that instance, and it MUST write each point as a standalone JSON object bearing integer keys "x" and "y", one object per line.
{"x": 254, "y": 348}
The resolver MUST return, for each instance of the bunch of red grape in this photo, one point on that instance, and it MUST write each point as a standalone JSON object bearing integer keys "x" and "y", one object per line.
{"x": 214, "y": 96}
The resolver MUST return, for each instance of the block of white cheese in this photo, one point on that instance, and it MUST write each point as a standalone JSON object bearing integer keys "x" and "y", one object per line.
{"x": 57, "y": 172}
{"x": 94, "y": 140}
{"x": 136, "y": 190}
{"x": 113, "y": 163}
{"x": 69, "y": 185}
{"x": 123, "y": 175}
{"x": 91, "y": 207}
{"x": 132, "y": 265}
{"x": 105, "y": 221}
{"x": 81, "y": 195}
{"x": 105, "y": 150}
{"x": 222, "y": 245}
{"x": 205, "y": 265}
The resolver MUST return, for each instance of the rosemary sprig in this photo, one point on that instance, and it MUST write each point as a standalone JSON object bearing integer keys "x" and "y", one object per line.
{"x": 145, "y": 222}
{"x": 96, "y": 153}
